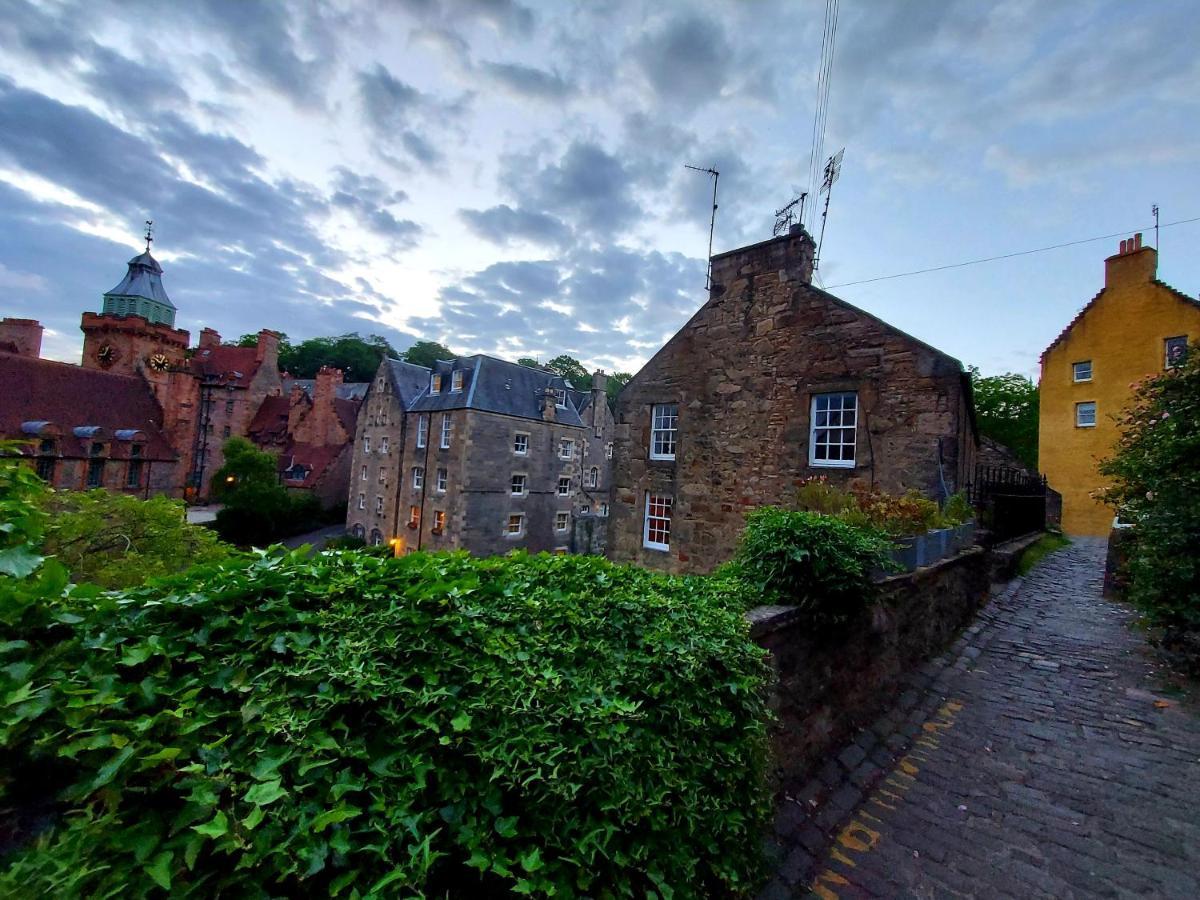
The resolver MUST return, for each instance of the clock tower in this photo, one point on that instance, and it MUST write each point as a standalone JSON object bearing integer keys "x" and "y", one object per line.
{"x": 135, "y": 330}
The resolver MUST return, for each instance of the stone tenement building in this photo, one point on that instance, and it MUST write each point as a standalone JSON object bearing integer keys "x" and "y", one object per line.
{"x": 1136, "y": 326}
{"x": 772, "y": 382}
{"x": 145, "y": 415}
{"x": 478, "y": 454}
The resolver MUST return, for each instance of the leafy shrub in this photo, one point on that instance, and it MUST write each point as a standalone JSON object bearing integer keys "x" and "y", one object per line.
{"x": 816, "y": 562}
{"x": 1155, "y": 476}
{"x": 115, "y": 540}
{"x": 285, "y": 725}
{"x": 345, "y": 542}
{"x": 899, "y": 516}
{"x": 958, "y": 509}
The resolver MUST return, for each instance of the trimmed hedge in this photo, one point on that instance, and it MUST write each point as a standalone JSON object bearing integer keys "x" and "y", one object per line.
{"x": 344, "y": 725}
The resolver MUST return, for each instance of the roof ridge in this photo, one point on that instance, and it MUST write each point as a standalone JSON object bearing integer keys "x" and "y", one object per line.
{"x": 1079, "y": 315}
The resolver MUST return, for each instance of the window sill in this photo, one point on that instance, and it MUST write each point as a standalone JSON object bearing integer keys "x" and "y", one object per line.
{"x": 658, "y": 548}
{"x": 1077, "y": 425}
{"x": 818, "y": 464}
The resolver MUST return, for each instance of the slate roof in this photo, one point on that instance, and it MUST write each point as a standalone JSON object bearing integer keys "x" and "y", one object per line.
{"x": 143, "y": 279}
{"x": 495, "y": 385}
{"x": 70, "y": 397}
{"x": 315, "y": 458}
{"x": 353, "y": 390}
{"x": 408, "y": 379}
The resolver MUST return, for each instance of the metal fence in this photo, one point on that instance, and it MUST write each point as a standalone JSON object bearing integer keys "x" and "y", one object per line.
{"x": 1011, "y": 502}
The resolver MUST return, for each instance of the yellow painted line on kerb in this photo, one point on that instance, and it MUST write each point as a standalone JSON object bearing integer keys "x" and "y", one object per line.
{"x": 858, "y": 837}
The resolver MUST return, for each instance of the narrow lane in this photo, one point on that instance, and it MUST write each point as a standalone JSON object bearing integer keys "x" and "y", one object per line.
{"x": 1039, "y": 761}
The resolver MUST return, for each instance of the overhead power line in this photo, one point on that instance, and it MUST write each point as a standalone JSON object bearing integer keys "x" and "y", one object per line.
{"x": 975, "y": 262}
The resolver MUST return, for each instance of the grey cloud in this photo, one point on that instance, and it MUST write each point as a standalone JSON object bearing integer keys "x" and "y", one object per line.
{"x": 394, "y": 110}
{"x": 502, "y": 225}
{"x": 687, "y": 60}
{"x": 527, "y": 81}
{"x": 588, "y": 187}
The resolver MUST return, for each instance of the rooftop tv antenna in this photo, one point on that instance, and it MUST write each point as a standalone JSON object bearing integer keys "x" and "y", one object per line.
{"x": 787, "y": 215}
{"x": 712, "y": 224}
{"x": 149, "y": 233}
{"x": 1154, "y": 212}
{"x": 833, "y": 168}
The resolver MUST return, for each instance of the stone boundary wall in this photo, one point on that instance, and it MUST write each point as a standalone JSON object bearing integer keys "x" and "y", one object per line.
{"x": 831, "y": 685}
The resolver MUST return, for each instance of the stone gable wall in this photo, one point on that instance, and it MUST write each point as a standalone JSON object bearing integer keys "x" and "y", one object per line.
{"x": 743, "y": 372}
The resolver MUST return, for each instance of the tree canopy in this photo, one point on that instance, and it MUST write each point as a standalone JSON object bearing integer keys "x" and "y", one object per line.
{"x": 426, "y": 353}
{"x": 356, "y": 356}
{"x": 1006, "y": 407}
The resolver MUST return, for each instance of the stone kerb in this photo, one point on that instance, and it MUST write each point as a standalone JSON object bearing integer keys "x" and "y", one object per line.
{"x": 830, "y": 685}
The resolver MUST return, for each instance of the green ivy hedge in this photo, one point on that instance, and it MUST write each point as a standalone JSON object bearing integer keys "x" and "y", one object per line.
{"x": 819, "y": 563}
{"x": 344, "y": 725}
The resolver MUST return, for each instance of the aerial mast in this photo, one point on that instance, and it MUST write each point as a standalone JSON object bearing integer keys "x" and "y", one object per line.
{"x": 833, "y": 168}
{"x": 712, "y": 224}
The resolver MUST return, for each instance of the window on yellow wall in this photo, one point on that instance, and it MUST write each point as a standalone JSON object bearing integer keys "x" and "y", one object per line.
{"x": 1085, "y": 414}
{"x": 1081, "y": 371}
{"x": 1175, "y": 351}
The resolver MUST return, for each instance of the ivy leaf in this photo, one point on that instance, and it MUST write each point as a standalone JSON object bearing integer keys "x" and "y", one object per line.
{"x": 251, "y": 821}
{"x": 506, "y": 826}
{"x": 266, "y": 793}
{"x": 532, "y": 861}
{"x": 333, "y": 816}
{"x": 109, "y": 769}
{"x": 160, "y": 869}
{"x": 215, "y": 828}
{"x": 461, "y": 722}
{"x": 20, "y": 561}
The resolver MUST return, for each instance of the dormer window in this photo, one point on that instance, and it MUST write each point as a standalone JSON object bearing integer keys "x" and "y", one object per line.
{"x": 561, "y": 398}
{"x": 456, "y": 382}
{"x": 435, "y": 383}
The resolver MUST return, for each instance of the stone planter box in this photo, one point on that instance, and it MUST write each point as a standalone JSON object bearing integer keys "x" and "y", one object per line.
{"x": 917, "y": 551}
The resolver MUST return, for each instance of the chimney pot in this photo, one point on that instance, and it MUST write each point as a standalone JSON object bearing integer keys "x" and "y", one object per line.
{"x": 1124, "y": 244}
{"x": 1137, "y": 241}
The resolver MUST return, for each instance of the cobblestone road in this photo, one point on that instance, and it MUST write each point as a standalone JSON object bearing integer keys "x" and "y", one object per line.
{"x": 1038, "y": 758}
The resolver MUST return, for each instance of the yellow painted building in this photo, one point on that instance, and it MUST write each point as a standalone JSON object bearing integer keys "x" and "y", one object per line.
{"x": 1131, "y": 329}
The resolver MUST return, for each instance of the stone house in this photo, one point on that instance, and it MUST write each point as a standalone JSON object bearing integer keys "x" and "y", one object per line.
{"x": 1137, "y": 325}
{"x": 774, "y": 381}
{"x": 478, "y": 454}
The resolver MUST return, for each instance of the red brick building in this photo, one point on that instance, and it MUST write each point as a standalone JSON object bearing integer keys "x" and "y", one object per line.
{"x": 144, "y": 413}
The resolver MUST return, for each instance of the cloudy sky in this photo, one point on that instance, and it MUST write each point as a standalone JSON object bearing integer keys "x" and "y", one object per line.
{"x": 509, "y": 178}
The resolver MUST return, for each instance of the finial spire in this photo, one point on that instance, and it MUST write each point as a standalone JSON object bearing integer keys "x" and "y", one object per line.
{"x": 149, "y": 233}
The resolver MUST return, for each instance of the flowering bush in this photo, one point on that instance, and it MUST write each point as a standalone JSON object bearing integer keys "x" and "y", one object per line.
{"x": 1155, "y": 474}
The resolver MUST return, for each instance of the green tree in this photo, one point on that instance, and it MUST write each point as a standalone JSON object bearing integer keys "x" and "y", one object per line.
{"x": 529, "y": 362}
{"x": 1006, "y": 407}
{"x": 426, "y": 353}
{"x": 1155, "y": 483}
{"x": 356, "y": 356}
{"x": 571, "y": 369}
{"x": 117, "y": 541}
{"x": 616, "y": 381}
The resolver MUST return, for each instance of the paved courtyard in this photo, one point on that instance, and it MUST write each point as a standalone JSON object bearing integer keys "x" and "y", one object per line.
{"x": 1041, "y": 757}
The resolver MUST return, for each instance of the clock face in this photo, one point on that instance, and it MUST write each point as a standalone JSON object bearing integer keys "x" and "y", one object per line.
{"x": 107, "y": 355}
{"x": 159, "y": 362}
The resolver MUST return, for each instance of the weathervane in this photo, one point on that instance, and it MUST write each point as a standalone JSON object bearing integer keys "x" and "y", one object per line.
{"x": 149, "y": 233}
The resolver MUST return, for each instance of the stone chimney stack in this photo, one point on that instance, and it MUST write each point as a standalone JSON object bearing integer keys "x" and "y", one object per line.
{"x": 267, "y": 350}
{"x": 1132, "y": 263}
{"x": 209, "y": 338}
{"x": 324, "y": 414}
{"x": 21, "y": 336}
{"x": 788, "y": 256}
{"x": 549, "y": 405}
{"x": 599, "y": 396}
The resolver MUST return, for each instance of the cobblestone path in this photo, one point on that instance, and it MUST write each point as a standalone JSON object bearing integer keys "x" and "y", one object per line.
{"x": 1035, "y": 759}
